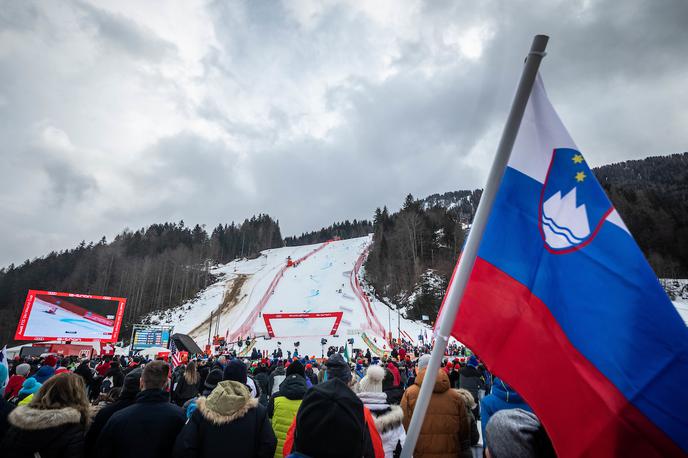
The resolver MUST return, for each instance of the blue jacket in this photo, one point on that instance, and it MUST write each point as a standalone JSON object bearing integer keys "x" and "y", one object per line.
{"x": 502, "y": 397}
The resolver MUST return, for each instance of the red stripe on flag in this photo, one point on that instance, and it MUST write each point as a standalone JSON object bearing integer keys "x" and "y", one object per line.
{"x": 516, "y": 335}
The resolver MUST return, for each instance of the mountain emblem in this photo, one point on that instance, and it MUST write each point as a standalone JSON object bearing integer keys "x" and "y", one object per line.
{"x": 573, "y": 205}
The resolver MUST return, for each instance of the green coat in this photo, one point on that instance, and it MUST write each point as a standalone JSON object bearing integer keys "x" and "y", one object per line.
{"x": 285, "y": 411}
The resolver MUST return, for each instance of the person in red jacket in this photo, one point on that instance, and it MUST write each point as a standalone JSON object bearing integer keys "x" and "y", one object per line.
{"x": 15, "y": 382}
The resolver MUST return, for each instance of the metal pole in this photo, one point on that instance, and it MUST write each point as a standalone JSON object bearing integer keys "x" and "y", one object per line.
{"x": 210, "y": 327}
{"x": 467, "y": 260}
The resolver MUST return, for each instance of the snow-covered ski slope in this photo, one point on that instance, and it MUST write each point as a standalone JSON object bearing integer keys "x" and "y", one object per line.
{"x": 327, "y": 280}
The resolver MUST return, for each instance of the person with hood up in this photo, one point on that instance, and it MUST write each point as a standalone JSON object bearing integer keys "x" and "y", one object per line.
{"x": 501, "y": 397}
{"x": 149, "y": 426}
{"x": 229, "y": 415}
{"x": 53, "y": 424}
{"x": 284, "y": 404}
{"x": 14, "y": 384}
{"x": 332, "y": 407}
{"x": 130, "y": 388}
{"x": 276, "y": 377}
{"x": 471, "y": 425}
{"x": 27, "y": 391}
{"x": 311, "y": 375}
{"x": 338, "y": 370}
{"x": 471, "y": 379}
{"x": 444, "y": 427}
{"x": 388, "y": 417}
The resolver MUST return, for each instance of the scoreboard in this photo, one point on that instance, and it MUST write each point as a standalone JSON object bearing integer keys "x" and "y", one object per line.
{"x": 146, "y": 338}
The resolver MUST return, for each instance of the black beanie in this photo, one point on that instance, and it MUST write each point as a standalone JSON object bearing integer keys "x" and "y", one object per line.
{"x": 296, "y": 368}
{"x": 214, "y": 377}
{"x": 132, "y": 383}
{"x": 235, "y": 370}
{"x": 327, "y": 407}
{"x": 338, "y": 368}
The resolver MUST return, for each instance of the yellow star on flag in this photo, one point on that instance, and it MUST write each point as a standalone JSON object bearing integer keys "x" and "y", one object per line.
{"x": 577, "y": 159}
{"x": 580, "y": 176}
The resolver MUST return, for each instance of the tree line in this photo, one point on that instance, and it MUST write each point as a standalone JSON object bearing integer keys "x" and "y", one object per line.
{"x": 415, "y": 249}
{"x": 155, "y": 268}
{"x": 343, "y": 230}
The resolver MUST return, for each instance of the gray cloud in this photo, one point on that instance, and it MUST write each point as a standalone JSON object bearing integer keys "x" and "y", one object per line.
{"x": 213, "y": 111}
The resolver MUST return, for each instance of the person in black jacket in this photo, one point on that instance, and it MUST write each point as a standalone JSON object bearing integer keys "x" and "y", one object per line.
{"x": 229, "y": 417}
{"x": 116, "y": 373}
{"x": 52, "y": 424}
{"x": 5, "y": 409}
{"x": 471, "y": 379}
{"x": 149, "y": 426}
{"x": 188, "y": 386}
{"x": 261, "y": 378}
{"x": 394, "y": 392}
{"x": 129, "y": 391}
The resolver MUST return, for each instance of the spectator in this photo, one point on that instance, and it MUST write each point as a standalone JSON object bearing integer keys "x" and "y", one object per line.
{"x": 44, "y": 373}
{"x": 331, "y": 407}
{"x": 444, "y": 427}
{"x": 149, "y": 426}
{"x": 472, "y": 380}
{"x": 284, "y": 404}
{"x": 388, "y": 418}
{"x": 28, "y": 389}
{"x": 53, "y": 424}
{"x": 501, "y": 397}
{"x": 188, "y": 385}
{"x": 229, "y": 415}
{"x": 311, "y": 375}
{"x": 262, "y": 380}
{"x": 517, "y": 433}
{"x": 127, "y": 397}
{"x": 394, "y": 393}
{"x": 278, "y": 375}
{"x": 471, "y": 425}
{"x": 16, "y": 381}
{"x": 5, "y": 409}
{"x": 115, "y": 374}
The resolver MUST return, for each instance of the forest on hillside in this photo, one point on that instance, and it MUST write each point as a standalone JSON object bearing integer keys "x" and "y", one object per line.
{"x": 415, "y": 249}
{"x": 344, "y": 230}
{"x": 155, "y": 268}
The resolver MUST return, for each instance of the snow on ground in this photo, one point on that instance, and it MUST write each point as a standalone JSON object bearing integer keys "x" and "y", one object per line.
{"x": 49, "y": 320}
{"x": 319, "y": 284}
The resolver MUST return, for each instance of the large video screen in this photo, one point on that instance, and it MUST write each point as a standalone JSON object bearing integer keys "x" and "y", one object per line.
{"x": 148, "y": 338}
{"x": 50, "y": 315}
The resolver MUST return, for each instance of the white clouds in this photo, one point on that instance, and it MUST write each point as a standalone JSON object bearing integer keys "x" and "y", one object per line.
{"x": 123, "y": 113}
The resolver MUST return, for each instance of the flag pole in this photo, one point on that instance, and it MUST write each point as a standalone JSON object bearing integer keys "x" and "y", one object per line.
{"x": 462, "y": 272}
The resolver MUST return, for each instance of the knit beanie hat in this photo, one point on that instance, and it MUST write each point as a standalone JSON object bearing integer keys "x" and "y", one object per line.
{"x": 338, "y": 368}
{"x": 23, "y": 369}
{"x": 372, "y": 382}
{"x": 388, "y": 381}
{"x": 44, "y": 373}
{"x": 3, "y": 375}
{"x": 517, "y": 433}
{"x": 132, "y": 383}
{"x": 50, "y": 360}
{"x": 30, "y": 386}
{"x": 423, "y": 361}
{"x": 296, "y": 368}
{"x": 214, "y": 377}
{"x": 228, "y": 397}
{"x": 327, "y": 407}
{"x": 235, "y": 370}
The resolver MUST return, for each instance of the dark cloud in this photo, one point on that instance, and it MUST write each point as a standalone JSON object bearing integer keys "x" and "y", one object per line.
{"x": 312, "y": 113}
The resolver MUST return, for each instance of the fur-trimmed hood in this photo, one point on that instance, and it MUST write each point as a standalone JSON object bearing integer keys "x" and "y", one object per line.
{"x": 222, "y": 418}
{"x": 29, "y": 418}
{"x": 389, "y": 419}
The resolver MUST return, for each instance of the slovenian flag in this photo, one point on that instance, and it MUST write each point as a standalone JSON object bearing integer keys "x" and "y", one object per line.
{"x": 562, "y": 305}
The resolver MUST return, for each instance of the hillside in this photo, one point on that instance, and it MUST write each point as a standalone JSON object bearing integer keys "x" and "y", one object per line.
{"x": 415, "y": 249}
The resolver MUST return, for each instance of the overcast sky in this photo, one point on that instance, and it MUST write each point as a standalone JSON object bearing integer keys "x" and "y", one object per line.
{"x": 119, "y": 114}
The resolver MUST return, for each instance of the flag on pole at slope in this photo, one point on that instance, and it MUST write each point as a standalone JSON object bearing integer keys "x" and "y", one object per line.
{"x": 562, "y": 305}
{"x": 175, "y": 357}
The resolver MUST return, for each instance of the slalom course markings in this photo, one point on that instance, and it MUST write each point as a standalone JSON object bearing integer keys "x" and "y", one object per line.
{"x": 247, "y": 326}
{"x": 373, "y": 323}
{"x": 372, "y": 345}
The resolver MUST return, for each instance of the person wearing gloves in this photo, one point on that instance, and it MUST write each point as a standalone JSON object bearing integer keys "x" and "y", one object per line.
{"x": 228, "y": 416}
{"x": 388, "y": 417}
